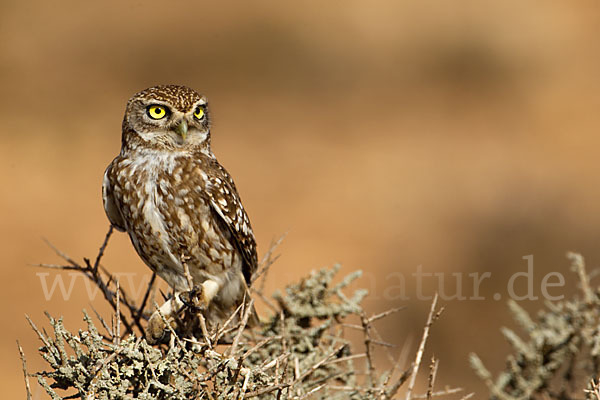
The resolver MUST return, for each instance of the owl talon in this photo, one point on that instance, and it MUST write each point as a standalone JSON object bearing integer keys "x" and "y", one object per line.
{"x": 193, "y": 299}
{"x": 155, "y": 329}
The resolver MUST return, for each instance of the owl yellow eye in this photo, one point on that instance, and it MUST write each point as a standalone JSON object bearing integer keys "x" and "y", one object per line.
{"x": 157, "y": 112}
{"x": 199, "y": 113}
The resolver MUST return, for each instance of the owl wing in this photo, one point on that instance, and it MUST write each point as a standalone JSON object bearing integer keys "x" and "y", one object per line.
{"x": 110, "y": 206}
{"x": 225, "y": 201}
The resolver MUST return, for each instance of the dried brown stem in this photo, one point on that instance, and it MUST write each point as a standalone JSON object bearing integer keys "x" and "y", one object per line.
{"x": 433, "y": 315}
{"x": 266, "y": 263}
{"x": 243, "y": 324}
{"x": 142, "y": 307}
{"x": 94, "y": 273}
{"x": 366, "y": 326}
{"x": 102, "y": 248}
{"x": 25, "y": 373}
{"x": 432, "y": 374}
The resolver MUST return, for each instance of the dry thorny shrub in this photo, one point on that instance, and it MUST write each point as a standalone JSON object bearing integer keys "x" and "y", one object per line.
{"x": 560, "y": 359}
{"x": 299, "y": 351}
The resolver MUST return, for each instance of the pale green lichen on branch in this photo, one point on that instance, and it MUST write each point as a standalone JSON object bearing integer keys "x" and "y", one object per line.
{"x": 559, "y": 358}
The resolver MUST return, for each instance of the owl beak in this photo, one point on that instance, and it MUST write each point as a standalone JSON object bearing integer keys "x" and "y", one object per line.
{"x": 182, "y": 128}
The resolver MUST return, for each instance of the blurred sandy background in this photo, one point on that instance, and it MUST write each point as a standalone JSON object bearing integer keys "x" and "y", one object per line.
{"x": 384, "y": 135}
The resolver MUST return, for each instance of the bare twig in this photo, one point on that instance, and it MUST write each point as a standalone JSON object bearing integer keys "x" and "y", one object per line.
{"x": 25, "y": 373}
{"x": 243, "y": 324}
{"x": 384, "y": 314}
{"x": 439, "y": 393}
{"x": 317, "y": 365}
{"x": 204, "y": 330}
{"x": 391, "y": 391}
{"x": 259, "y": 345}
{"x": 366, "y": 326}
{"x": 264, "y": 298}
{"x": 62, "y": 255}
{"x": 117, "y": 336}
{"x": 39, "y": 333}
{"x": 103, "y": 322}
{"x": 430, "y": 319}
{"x": 432, "y": 374}
{"x": 142, "y": 307}
{"x": 594, "y": 389}
{"x": 265, "y": 390}
{"x": 400, "y": 362}
{"x": 222, "y": 330}
{"x": 266, "y": 262}
{"x": 578, "y": 265}
{"x": 93, "y": 273}
{"x": 102, "y": 248}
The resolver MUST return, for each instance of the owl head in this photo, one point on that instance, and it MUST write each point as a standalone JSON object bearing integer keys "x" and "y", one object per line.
{"x": 167, "y": 117}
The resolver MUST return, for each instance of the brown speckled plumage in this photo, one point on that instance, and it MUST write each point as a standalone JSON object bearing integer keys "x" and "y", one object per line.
{"x": 169, "y": 193}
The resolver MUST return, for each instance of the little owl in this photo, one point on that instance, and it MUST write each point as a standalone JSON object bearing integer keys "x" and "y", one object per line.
{"x": 179, "y": 206}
